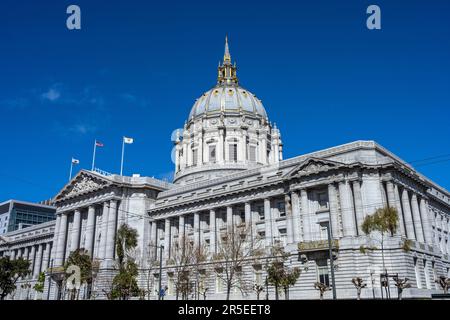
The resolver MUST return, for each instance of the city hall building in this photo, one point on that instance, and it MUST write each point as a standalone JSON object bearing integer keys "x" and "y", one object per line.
{"x": 229, "y": 169}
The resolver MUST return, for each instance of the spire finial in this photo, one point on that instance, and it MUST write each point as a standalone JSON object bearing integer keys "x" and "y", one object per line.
{"x": 226, "y": 71}
{"x": 226, "y": 56}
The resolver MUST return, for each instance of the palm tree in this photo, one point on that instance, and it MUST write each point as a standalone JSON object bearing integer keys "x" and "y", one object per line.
{"x": 124, "y": 283}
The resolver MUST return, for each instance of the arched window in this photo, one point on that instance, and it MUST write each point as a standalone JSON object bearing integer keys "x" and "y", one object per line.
{"x": 233, "y": 152}
{"x": 212, "y": 153}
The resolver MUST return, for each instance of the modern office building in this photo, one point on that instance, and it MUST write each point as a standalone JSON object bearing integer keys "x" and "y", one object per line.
{"x": 15, "y": 214}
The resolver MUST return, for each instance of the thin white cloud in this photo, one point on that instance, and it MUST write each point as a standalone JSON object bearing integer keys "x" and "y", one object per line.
{"x": 134, "y": 100}
{"x": 52, "y": 94}
{"x": 82, "y": 129}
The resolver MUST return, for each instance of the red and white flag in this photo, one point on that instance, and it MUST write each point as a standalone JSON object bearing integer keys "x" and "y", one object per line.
{"x": 98, "y": 143}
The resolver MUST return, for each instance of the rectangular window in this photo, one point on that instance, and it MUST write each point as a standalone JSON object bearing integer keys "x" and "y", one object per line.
{"x": 258, "y": 277}
{"x": 155, "y": 284}
{"x": 323, "y": 232}
{"x": 260, "y": 210}
{"x": 322, "y": 275}
{"x": 170, "y": 285}
{"x": 323, "y": 200}
{"x": 219, "y": 284}
{"x": 233, "y": 152}
{"x": 194, "y": 157}
{"x": 281, "y": 208}
{"x": 212, "y": 154}
{"x": 252, "y": 154}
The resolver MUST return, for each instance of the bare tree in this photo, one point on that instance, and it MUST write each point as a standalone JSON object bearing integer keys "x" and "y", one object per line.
{"x": 148, "y": 265}
{"x": 444, "y": 282}
{"x": 187, "y": 259}
{"x": 236, "y": 246}
{"x": 401, "y": 284}
{"x": 359, "y": 285}
{"x": 322, "y": 288}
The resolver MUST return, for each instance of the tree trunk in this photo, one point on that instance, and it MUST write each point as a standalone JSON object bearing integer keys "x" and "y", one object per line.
{"x": 228, "y": 291}
{"x": 276, "y": 292}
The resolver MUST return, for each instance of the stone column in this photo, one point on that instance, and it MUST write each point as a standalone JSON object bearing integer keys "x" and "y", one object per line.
{"x": 56, "y": 235}
{"x": 75, "y": 230}
{"x": 200, "y": 149}
{"x": 111, "y": 233}
{"x": 37, "y": 262}
{"x": 295, "y": 216}
{"x": 154, "y": 239}
{"x": 426, "y": 221}
{"x": 196, "y": 230}
{"x": 32, "y": 259}
{"x": 212, "y": 232}
{"x": 104, "y": 230}
{"x": 12, "y": 254}
{"x": 416, "y": 218}
{"x": 181, "y": 229}
{"x": 166, "y": 239}
{"x": 19, "y": 253}
{"x": 244, "y": 146}
{"x": 183, "y": 163}
{"x": 347, "y": 215}
{"x": 46, "y": 257}
{"x": 268, "y": 222}
{"x": 220, "y": 147}
{"x": 59, "y": 260}
{"x": 332, "y": 198}
{"x": 229, "y": 217}
{"x": 358, "y": 205}
{"x": 263, "y": 147}
{"x": 394, "y": 202}
{"x": 289, "y": 227}
{"x": 408, "y": 215}
{"x": 90, "y": 231}
{"x": 307, "y": 236}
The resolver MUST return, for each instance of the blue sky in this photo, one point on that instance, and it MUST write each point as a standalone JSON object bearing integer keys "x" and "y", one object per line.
{"x": 136, "y": 67}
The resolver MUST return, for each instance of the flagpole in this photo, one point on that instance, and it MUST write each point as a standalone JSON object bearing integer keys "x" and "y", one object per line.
{"x": 71, "y": 167}
{"x": 121, "y": 163}
{"x": 93, "y": 157}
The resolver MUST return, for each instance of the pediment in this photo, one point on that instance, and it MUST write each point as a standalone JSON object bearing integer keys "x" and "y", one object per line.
{"x": 84, "y": 182}
{"x": 312, "y": 166}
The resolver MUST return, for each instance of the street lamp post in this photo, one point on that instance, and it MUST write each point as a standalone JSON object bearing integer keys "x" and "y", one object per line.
{"x": 327, "y": 224}
{"x": 330, "y": 254}
{"x": 160, "y": 268}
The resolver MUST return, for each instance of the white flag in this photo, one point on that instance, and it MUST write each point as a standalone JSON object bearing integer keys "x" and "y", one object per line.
{"x": 75, "y": 161}
{"x": 128, "y": 140}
